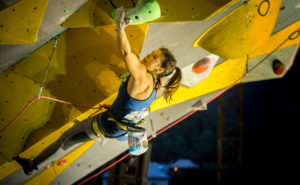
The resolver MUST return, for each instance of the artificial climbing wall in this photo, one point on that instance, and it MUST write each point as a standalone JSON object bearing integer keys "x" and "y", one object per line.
{"x": 86, "y": 65}
{"x": 82, "y": 59}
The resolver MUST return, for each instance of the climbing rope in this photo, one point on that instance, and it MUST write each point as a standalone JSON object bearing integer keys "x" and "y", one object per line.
{"x": 291, "y": 37}
{"x": 50, "y": 59}
{"x": 106, "y": 106}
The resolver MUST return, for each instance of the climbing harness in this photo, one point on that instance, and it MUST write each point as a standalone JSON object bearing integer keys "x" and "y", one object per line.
{"x": 97, "y": 130}
{"x": 290, "y": 37}
{"x": 125, "y": 124}
{"x": 294, "y": 35}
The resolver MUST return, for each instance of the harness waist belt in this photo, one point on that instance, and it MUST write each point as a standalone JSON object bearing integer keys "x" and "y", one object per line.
{"x": 125, "y": 125}
{"x": 100, "y": 132}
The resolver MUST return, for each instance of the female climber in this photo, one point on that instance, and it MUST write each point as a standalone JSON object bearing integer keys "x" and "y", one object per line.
{"x": 135, "y": 96}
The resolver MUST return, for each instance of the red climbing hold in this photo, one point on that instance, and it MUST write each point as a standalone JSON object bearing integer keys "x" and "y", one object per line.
{"x": 62, "y": 162}
{"x": 278, "y": 67}
{"x": 201, "y": 66}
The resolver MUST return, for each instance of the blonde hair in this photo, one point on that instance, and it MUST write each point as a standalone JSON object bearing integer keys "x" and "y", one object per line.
{"x": 169, "y": 65}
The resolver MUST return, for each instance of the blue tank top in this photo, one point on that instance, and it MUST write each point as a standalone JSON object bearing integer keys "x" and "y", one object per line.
{"x": 127, "y": 108}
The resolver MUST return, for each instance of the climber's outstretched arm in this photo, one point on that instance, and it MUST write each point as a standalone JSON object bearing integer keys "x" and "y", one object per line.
{"x": 137, "y": 70}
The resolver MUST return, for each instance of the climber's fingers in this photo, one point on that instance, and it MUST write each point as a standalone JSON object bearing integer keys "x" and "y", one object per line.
{"x": 120, "y": 15}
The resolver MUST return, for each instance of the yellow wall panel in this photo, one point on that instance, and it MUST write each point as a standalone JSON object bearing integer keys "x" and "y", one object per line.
{"x": 50, "y": 174}
{"x": 242, "y": 31}
{"x": 97, "y": 13}
{"x": 278, "y": 38}
{"x": 226, "y": 74}
{"x": 94, "y": 13}
{"x": 85, "y": 69}
{"x": 223, "y": 75}
{"x": 20, "y": 23}
{"x": 16, "y": 91}
{"x": 191, "y": 10}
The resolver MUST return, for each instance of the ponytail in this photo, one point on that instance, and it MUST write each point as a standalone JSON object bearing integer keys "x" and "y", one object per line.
{"x": 172, "y": 85}
{"x": 169, "y": 65}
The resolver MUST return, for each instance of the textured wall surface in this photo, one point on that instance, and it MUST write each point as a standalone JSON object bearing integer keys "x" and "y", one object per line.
{"x": 86, "y": 68}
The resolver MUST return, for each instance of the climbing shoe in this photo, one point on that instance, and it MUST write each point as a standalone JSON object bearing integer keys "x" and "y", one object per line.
{"x": 26, "y": 164}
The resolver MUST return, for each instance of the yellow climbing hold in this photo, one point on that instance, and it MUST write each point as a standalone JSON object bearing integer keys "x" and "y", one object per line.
{"x": 242, "y": 31}
{"x": 20, "y": 23}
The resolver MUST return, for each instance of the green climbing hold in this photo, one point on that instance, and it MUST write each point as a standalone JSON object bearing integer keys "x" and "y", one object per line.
{"x": 7, "y": 162}
{"x": 125, "y": 75}
{"x": 32, "y": 157}
{"x": 145, "y": 11}
{"x": 66, "y": 10}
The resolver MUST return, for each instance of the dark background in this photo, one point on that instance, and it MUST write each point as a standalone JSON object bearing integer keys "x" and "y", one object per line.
{"x": 270, "y": 136}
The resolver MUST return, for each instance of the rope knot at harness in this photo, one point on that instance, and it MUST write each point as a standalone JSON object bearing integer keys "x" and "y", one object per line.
{"x": 105, "y": 106}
